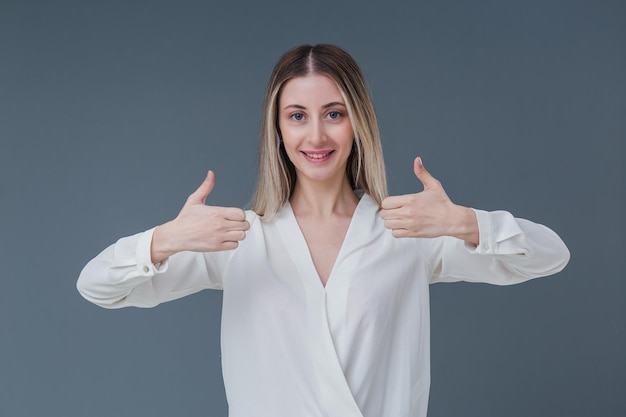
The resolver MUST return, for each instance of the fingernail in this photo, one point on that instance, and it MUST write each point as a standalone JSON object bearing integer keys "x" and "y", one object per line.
{"x": 419, "y": 159}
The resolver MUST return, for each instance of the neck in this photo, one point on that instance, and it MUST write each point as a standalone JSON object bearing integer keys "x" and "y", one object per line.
{"x": 323, "y": 200}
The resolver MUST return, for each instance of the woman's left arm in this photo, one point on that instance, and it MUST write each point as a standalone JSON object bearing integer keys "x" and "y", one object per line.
{"x": 476, "y": 245}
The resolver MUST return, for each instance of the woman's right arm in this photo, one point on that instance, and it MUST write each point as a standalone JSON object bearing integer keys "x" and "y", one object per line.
{"x": 169, "y": 261}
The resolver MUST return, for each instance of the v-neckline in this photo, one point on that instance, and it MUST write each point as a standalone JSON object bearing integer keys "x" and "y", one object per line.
{"x": 300, "y": 253}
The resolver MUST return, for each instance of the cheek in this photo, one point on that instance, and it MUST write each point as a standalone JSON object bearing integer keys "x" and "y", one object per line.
{"x": 289, "y": 139}
{"x": 290, "y": 143}
{"x": 345, "y": 133}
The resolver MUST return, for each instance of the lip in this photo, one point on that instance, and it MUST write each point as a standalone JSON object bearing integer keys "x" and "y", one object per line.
{"x": 317, "y": 156}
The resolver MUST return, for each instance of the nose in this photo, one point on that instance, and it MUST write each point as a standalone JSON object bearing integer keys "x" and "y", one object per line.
{"x": 318, "y": 132}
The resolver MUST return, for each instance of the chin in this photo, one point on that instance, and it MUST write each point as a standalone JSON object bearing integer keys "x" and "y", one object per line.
{"x": 322, "y": 176}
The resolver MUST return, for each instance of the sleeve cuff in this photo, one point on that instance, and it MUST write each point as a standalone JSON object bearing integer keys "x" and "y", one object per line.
{"x": 496, "y": 230}
{"x": 144, "y": 259}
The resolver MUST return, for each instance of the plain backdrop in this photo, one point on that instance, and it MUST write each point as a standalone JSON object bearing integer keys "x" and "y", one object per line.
{"x": 111, "y": 112}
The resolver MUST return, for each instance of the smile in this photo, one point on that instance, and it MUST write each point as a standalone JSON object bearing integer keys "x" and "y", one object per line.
{"x": 317, "y": 156}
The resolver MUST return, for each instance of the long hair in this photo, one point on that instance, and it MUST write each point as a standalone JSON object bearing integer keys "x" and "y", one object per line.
{"x": 365, "y": 169}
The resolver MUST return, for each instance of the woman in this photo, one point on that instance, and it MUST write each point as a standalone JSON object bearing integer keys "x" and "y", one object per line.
{"x": 325, "y": 280}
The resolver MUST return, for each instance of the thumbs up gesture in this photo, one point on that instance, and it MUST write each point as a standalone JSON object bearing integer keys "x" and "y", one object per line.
{"x": 429, "y": 213}
{"x": 200, "y": 228}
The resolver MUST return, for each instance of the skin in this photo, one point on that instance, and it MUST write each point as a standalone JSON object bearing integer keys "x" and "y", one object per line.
{"x": 199, "y": 227}
{"x": 317, "y": 135}
{"x": 429, "y": 213}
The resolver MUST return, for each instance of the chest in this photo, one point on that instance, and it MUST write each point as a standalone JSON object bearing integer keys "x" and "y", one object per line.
{"x": 324, "y": 241}
{"x": 275, "y": 280}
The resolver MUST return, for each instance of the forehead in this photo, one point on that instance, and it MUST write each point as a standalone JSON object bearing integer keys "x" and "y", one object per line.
{"x": 312, "y": 89}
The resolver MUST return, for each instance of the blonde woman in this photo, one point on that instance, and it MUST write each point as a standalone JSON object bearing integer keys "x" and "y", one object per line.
{"x": 325, "y": 280}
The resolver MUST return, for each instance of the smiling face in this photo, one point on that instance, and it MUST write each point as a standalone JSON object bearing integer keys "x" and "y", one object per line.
{"x": 315, "y": 128}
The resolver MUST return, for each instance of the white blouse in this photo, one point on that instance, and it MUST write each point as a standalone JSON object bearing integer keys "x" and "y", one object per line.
{"x": 358, "y": 347}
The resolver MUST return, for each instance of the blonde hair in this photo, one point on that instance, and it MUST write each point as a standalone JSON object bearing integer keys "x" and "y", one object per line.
{"x": 365, "y": 169}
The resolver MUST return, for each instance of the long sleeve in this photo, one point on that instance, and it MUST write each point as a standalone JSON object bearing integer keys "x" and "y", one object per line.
{"x": 123, "y": 275}
{"x": 511, "y": 250}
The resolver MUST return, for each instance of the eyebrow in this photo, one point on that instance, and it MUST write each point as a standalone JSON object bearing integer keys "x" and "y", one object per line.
{"x": 325, "y": 106}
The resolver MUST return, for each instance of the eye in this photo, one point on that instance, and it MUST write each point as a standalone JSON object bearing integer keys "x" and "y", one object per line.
{"x": 297, "y": 117}
{"x": 334, "y": 115}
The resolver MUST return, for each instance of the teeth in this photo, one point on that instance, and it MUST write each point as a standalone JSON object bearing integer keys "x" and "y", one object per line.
{"x": 317, "y": 155}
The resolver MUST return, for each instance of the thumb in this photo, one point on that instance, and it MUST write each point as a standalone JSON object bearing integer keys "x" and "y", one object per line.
{"x": 200, "y": 195}
{"x": 424, "y": 176}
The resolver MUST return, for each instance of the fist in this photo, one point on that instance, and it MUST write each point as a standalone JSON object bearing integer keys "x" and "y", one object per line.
{"x": 429, "y": 213}
{"x": 199, "y": 227}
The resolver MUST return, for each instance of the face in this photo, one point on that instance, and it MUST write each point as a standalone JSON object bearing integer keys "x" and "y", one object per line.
{"x": 315, "y": 127}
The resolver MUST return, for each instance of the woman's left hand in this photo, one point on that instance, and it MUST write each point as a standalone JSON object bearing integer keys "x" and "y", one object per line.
{"x": 429, "y": 213}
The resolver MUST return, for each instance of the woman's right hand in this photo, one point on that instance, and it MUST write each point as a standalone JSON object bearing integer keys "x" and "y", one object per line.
{"x": 200, "y": 228}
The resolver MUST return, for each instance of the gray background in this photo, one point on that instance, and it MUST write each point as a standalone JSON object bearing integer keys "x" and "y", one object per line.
{"x": 112, "y": 111}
